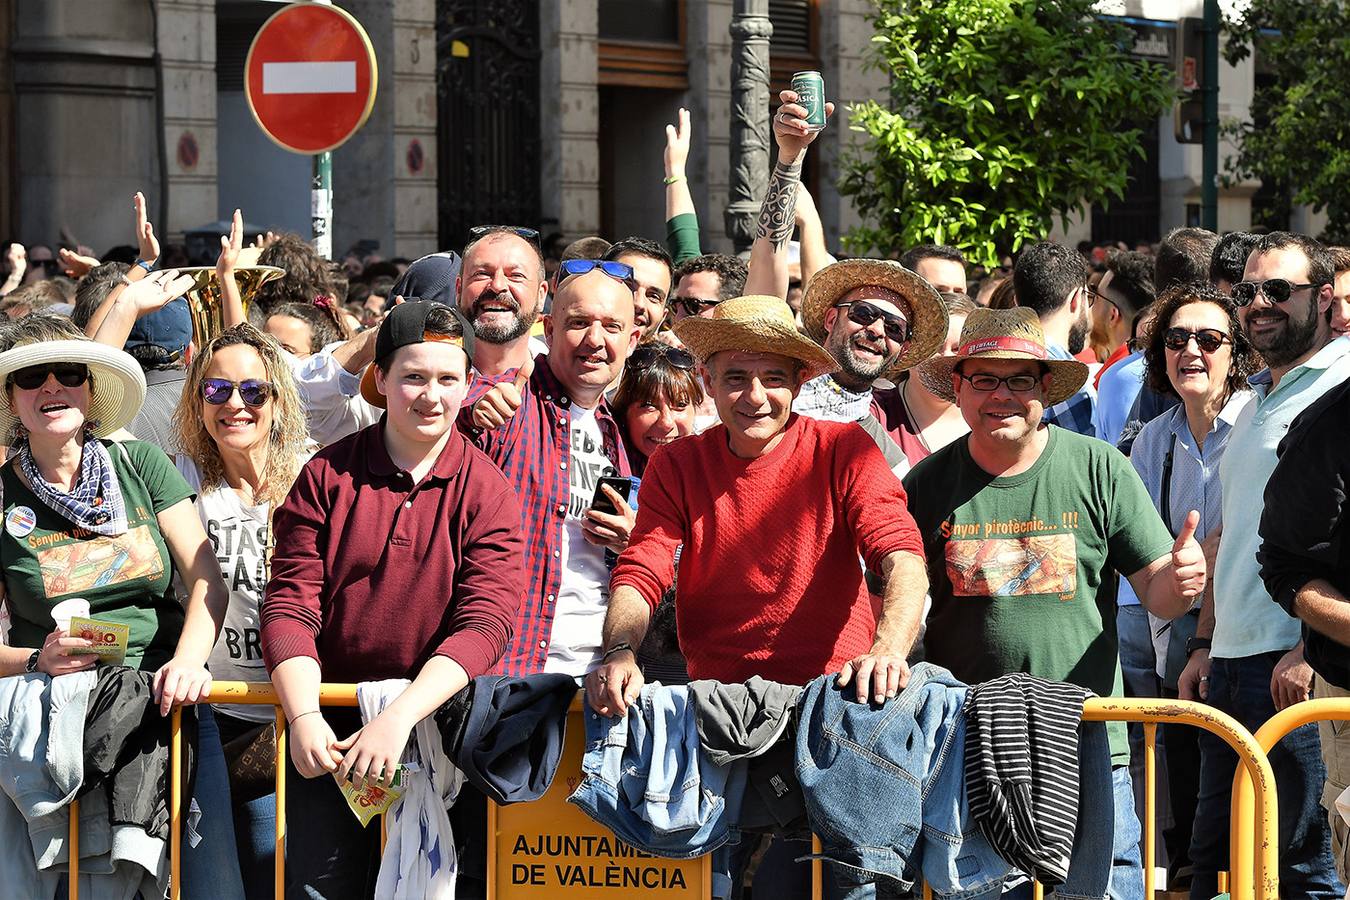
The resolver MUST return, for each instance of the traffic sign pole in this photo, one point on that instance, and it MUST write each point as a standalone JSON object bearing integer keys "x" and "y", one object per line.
{"x": 321, "y": 204}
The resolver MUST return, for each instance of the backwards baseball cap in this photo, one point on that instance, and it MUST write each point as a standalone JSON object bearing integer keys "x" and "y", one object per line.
{"x": 407, "y": 324}
{"x": 169, "y": 328}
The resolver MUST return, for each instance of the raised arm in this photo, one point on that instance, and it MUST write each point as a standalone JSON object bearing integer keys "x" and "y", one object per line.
{"x": 230, "y": 246}
{"x": 681, "y": 217}
{"x": 768, "y": 255}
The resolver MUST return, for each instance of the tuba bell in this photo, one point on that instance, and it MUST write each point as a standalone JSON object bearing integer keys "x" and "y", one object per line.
{"x": 204, "y": 299}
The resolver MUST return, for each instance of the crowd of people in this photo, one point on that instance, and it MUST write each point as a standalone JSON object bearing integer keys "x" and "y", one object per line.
{"x": 633, "y": 462}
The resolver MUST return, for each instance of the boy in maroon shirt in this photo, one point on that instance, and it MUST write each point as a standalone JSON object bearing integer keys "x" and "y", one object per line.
{"x": 398, "y": 556}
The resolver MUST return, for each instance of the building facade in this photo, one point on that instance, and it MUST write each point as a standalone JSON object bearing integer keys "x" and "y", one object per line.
{"x": 542, "y": 112}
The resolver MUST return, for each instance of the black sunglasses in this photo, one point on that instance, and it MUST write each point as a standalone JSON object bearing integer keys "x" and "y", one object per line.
{"x": 693, "y": 306}
{"x": 482, "y": 231}
{"x": 616, "y": 270}
{"x": 1277, "y": 290}
{"x": 254, "y": 393}
{"x": 647, "y": 355}
{"x": 1207, "y": 339}
{"x": 67, "y": 375}
{"x": 860, "y": 312}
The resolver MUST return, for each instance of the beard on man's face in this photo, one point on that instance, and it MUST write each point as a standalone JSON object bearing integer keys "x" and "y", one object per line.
{"x": 1284, "y": 345}
{"x": 498, "y": 329}
{"x": 1078, "y": 335}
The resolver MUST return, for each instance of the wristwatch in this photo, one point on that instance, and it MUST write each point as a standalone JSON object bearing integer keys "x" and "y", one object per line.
{"x": 1197, "y": 643}
{"x": 31, "y": 665}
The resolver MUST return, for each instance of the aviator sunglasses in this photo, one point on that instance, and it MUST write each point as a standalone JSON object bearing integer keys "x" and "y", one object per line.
{"x": 1207, "y": 339}
{"x": 863, "y": 313}
{"x": 254, "y": 393}
{"x": 67, "y": 375}
{"x": 647, "y": 355}
{"x": 1277, "y": 290}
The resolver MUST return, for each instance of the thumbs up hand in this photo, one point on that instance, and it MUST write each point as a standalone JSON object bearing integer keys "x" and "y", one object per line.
{"x": 495, "y": 408}
{"x": 1189, "y": 571}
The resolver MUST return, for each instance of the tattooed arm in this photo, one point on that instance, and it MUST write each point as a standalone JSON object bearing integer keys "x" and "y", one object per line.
{"x": 768, "y": 255}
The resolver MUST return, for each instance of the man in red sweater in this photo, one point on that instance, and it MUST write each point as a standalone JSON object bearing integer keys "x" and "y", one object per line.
{"x": 773, "y": 510}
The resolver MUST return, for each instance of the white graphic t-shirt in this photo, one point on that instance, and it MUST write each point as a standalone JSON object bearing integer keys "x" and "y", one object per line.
{"x": 238, "y": 535}
{"x": 574, "y": 646}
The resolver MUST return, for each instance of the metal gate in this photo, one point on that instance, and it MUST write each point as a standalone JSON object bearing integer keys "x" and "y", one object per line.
{"x": 488, "y": 142}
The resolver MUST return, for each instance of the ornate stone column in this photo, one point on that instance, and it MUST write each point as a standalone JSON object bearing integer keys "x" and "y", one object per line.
{"x": 750, "y": 33}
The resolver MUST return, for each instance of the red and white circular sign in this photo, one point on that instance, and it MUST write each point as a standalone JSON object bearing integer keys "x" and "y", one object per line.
{"x": 310, "y": 77}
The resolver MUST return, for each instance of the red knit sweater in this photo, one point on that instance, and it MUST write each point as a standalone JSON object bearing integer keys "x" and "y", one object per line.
{"x": 770, "y": 582}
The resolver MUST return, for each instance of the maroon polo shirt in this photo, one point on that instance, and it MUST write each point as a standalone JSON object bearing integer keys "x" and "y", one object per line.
{"x": 372, "y": 575}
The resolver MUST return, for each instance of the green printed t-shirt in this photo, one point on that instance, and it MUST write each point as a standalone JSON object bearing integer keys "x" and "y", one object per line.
{"x": 126, "y": 579}
{"x": 1020, "y": 567}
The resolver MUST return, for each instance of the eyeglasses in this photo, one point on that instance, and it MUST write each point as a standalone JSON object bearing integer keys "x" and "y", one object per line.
{"x": 616, "y": 270}
{"x": 1207, "y": 339}
{"x": 864, "y": 314}
{"x": 694, "y": 306}
{"x": 647, "y": 355}
{"x": 254, "y": 393}
{"x": 987, "y": 384}
{"x": 1276, "y": 290}
{"x": 1098, "y": 295}
{"x": 481, "y": 231}
{"x": 67, "y": 375}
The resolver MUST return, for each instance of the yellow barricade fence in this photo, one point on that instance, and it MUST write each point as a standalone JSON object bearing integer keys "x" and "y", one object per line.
{"x": 1253, "y": 873}
{"x": 1246, "y": 798}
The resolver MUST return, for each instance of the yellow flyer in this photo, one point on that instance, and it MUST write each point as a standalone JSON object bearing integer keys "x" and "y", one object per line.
{"x": 109, "y": 639}
{"x": 371, "y": 801}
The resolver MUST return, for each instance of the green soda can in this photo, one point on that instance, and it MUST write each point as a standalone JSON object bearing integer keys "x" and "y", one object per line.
{"x": 810, "y": 90}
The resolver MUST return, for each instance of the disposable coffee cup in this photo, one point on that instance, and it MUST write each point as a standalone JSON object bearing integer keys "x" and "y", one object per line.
{"x": 63, "y": 612}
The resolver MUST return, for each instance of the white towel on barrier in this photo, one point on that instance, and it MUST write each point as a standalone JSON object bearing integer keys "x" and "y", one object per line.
{"x": 419, "y": 858}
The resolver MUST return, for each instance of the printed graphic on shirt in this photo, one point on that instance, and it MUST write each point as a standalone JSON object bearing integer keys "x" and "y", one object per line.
{"x": 1014, "y": 567}
{"x": 99, "y": 561}
{"x": 589, "y": 463}
{"x": 241, "y": 550}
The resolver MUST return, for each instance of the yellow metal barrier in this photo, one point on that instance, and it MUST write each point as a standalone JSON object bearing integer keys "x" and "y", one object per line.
{"x": 1267, "y": 736}
{"x": 1253, "y": 875}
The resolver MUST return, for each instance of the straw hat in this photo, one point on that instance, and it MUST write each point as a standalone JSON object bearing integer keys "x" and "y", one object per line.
{"x": 928, "y": 314}
{"x": 1004, "y": 334}
{"x": 117, "y": 392}
{"x": 753, "y": 324}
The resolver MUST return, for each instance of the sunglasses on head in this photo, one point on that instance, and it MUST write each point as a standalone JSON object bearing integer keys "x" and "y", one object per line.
{"x": 694, "y": 306}
{"x": 1276, "y": 290}
{"x": 647, "y": 355}
{"x": 860, "y": 312}
{"x": 1207, "y": 339}
{"x": 217, "y": 391}
{"x": 481, "y": 231}
{"x": 616, "y": 270}
{"x": 67, "y": 375}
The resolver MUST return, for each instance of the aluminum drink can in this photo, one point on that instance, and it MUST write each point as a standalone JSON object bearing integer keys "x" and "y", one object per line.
{"x": 810, "y": 90}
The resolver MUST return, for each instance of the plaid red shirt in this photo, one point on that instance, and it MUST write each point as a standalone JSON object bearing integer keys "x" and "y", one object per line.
{"x": 534, "y": 450}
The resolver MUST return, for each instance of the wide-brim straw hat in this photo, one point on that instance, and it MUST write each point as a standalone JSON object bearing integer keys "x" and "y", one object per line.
{"x": 753, "y": 324}
{"x": 1004, "y": 334}
{"x": 928, "y": 314}
{"x": 118, "y": 388}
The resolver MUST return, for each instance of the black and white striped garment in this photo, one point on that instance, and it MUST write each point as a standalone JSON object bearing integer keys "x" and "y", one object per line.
{"x": 1022, "y": 770}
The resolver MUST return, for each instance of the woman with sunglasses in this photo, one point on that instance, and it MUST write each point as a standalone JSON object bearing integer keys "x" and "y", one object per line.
{"x": 1197, "y": 352}
{"x": 111, "y": 523}
{"x": 241, "y": 427}
{"x": 657, "y": 402}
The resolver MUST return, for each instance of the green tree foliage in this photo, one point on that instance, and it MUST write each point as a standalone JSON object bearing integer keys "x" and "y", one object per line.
{"x": 1298, "y": 136}
{"x": 1003, "y": 115}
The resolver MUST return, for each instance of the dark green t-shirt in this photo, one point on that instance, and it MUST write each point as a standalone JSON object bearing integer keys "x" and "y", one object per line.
{"x": 126, "y": 579}
{"x": 1021, "y": 567}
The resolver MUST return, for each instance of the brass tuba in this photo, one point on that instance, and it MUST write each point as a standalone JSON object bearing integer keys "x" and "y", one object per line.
{"x": 204, "y": 300}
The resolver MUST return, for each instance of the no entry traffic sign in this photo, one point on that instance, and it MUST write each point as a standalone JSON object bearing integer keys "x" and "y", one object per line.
{"x": 310, "y": 77}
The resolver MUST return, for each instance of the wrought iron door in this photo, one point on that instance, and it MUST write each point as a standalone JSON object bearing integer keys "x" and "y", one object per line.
{"x": 487, "y": 78}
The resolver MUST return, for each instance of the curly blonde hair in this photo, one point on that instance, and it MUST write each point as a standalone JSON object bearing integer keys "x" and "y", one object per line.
{"x": 289, "y": 434}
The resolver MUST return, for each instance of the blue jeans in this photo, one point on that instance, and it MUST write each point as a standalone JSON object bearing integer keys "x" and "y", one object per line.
{"x": 1138, "y": 668}
{"x": 211, "y": 869}
{"x": 1241, "y": 688}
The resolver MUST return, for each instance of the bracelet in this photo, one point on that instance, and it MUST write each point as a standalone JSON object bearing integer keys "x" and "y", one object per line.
{"x": 619, "y": 647}
{"x": 302, "y": 715}
{"x": 147, "y": 266}
{"x": 672, "y": 179}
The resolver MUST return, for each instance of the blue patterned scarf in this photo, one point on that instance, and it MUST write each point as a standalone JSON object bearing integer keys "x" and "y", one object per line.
{"x": 95, "y": 501}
